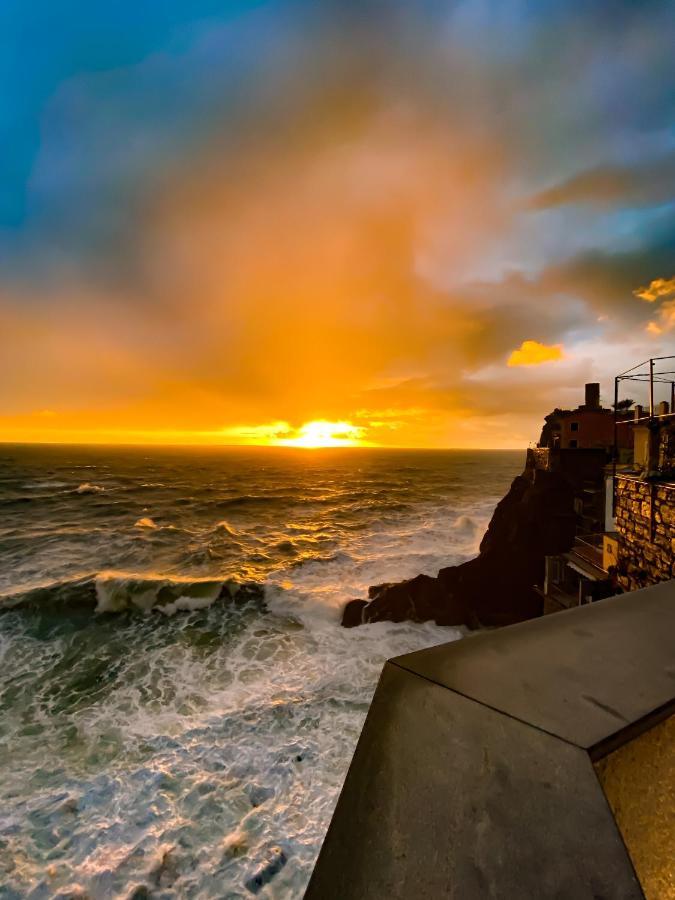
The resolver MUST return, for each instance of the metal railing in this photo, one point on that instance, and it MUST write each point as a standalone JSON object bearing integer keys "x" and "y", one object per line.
{"x": 655, "y": 371}
{"x": 651, "y": 371}
{"x": 589, "y": 547}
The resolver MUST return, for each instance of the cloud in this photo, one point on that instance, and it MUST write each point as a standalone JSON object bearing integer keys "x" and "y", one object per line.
{"x": 658, "y": 289}
{"x": 605, "y": 280}
{"x": 665, "y": 321}
{"x": 645, "y": 183}
{"x": 292, "y": 216}
{"x": 533, "y": 353}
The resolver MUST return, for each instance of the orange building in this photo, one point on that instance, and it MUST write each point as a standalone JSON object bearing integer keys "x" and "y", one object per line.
{"x": 588, "y": 427}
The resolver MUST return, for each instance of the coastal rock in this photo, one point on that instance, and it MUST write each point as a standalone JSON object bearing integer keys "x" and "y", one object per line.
{"x": 274, "y": 863}
{"x": 535, "y": 519}
{"x": 352, "y": 615}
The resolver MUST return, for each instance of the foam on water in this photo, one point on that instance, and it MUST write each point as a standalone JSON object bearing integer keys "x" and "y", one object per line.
{"x": 118, "y": 591}
{"x": 87, "y": 488}
{"x": 184, "y": 731}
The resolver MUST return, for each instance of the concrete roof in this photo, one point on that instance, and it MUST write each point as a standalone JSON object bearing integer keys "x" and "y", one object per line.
{"x": 474, "y": 775}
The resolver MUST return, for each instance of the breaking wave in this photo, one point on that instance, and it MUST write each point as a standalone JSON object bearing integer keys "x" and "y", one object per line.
{"x": 179, "y": 704}
{"x": 88, "y": 488}
{"x": 116, "y": 592}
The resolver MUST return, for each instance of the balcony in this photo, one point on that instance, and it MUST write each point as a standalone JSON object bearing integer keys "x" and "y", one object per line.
{"x": 589, "y": 548}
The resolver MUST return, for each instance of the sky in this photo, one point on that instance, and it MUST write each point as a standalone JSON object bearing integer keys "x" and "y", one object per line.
{"x": 330, "y": 222}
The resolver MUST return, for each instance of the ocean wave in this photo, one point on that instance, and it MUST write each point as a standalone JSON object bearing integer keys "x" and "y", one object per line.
{"x": 339, "y": 556}
{"x": 67, "y": 594}
{"x": 465, "y": 525}
{"x": 116, "y": 592}
{"x": 227, "y": 528}
{"x": 88, "y": 488}
{"x": 286, "y": 547}
{"x": 145, "y": 522}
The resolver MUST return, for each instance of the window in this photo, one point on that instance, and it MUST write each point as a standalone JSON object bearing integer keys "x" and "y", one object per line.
{"x": 574, "y": 426}
{"x": 573, "y": 444}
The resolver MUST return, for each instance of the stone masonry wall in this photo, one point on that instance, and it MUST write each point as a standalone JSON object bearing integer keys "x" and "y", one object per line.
{"x": 645, "y": 522}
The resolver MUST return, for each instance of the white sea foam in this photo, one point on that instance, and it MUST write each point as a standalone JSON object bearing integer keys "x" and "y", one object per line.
{"x": 194, "y": 751}
{"x": 119, "y": 591}
{"x": 88, "y": 488}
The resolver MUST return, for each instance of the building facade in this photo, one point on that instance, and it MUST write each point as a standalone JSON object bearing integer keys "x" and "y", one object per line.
{"x": 625, "y": 508}
{"x": 645, "y": 527}
{"x": 589, "y": 426}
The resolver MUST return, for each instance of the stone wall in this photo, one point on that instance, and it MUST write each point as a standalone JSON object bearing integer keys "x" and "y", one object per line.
{"x": 666, "y": 449}
{"x": 579, "y": 466}
{"x": 645, "y": 522}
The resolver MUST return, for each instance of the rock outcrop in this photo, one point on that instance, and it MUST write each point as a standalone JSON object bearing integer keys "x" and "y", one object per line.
{"x": 535, "y": 519}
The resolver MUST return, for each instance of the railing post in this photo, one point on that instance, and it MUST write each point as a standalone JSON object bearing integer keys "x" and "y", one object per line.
{"x": 616, "y": 443}
{"x": 651, "y": 388}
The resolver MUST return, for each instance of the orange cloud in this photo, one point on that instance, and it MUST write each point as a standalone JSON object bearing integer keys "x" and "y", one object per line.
{"x": 657, "y": 290}
{"x": 281, "y": 285}
{"x": 665, "y": 321}
{"x": 533, "y": 353}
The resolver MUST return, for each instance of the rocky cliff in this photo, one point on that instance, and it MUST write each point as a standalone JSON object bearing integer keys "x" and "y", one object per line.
{"x": 535, "y": 519}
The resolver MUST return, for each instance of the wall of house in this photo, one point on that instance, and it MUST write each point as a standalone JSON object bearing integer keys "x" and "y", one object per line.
{"x": 594, "y": 428}
{"x": 645, "y": 523}
{"x": 579, "y": 466}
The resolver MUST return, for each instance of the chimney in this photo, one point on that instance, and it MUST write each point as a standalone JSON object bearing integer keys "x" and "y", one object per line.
{"x": 592, "y": 396}
{"x": 663, "y": 408}
{"x": 638, "y": 412}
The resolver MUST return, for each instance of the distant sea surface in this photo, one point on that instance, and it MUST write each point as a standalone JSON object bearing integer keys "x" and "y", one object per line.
{"x": 178, "y": 702}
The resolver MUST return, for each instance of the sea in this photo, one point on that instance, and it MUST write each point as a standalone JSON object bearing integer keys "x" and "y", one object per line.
{"x": 178, "y": 701}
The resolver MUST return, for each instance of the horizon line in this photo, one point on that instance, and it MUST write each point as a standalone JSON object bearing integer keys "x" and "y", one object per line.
{"x": 11, "y": 443}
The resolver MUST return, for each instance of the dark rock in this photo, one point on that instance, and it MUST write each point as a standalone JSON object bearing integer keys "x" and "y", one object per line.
{"x": 352, "y": 613}
{"x": 415, "y": 600}
{"x": 140, "y": 892}
{"x": 376, "y": 589}
{"x": 275, "y": 862}
{"x": 535, "y": 519}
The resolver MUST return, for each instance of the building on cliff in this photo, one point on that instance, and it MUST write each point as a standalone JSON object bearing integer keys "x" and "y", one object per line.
{"x": 588, "y": 427}
{"x": 585, "y": 520}
{"x": 626, "y": 509}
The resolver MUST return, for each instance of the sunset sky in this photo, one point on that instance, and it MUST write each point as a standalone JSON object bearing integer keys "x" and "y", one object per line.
{"x": 404, "y": 223}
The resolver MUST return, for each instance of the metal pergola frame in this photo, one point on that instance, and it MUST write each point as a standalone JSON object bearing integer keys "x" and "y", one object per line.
{"x": 652, "y": 371}
{"x": 652, "y": 375}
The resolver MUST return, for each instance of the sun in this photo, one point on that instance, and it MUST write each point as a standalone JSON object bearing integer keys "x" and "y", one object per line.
{"x": 322, "y": 433}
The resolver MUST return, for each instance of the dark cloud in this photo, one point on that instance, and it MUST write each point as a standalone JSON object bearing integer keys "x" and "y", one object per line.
{"x": 650, "y": 182}
{"x": 607, "y": 281}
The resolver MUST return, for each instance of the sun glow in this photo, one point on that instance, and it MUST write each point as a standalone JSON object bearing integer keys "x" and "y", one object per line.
{"x": 321, "y": 433}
